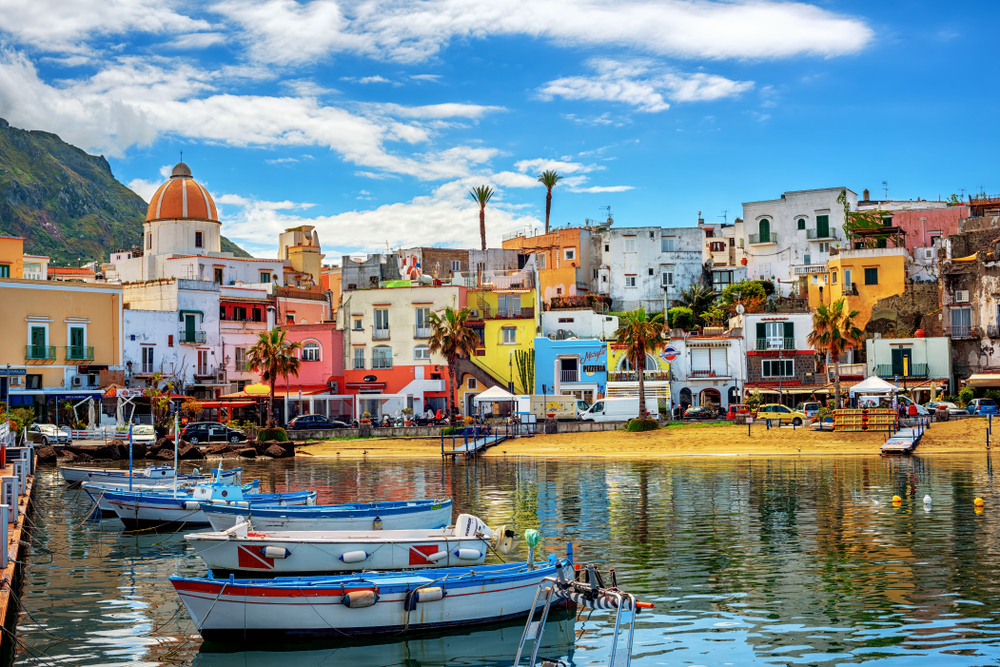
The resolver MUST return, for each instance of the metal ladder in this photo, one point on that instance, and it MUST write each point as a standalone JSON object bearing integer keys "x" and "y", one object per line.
{"x": 592, "y": 595}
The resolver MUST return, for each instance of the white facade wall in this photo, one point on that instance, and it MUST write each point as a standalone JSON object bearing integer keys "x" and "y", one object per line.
{"x": 585, "y": 323}
{"x": 638, "y": 262}
{"x": 934, "y": 351}
{"x": 792, "y": 248}
{"x": 748, "y": 322}
{"x": 178, "y": 236}
{"x": 151, "y": 329}
{"x": 727, "y": 361}
{"x": 197, "y": 267}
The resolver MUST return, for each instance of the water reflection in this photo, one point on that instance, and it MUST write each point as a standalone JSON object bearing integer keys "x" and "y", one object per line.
{"x": 770, "y": 561}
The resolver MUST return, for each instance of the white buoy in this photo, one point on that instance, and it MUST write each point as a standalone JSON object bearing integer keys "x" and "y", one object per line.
{"x": 927, "y": 500}
{"x": 354, "y": 556}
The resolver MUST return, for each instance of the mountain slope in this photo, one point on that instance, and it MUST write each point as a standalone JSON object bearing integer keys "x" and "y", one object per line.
{"x": 65, "y": 203}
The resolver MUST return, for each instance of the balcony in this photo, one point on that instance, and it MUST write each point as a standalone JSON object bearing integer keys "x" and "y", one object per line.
{"x": 633, "y": 376}
{"x": 962, "y": 331}
{"x": 381, "y": 363}
{"x": 569, "y": 376}
{"x": 79, "y": 353}
{"x": 914, "y": 371}
{"x": 40, "y": 353}
{"x": 380, "y": 334}
{"x": 807, "y": 269}
{"x": 696, "y": 374}
{"x": 241, "y": 366}
{"x": 766, "y": 344}
{"x": 422, "y": 331}
{"x": 358, "y": 365}
{"x": 758, "y": 239}
{"x": 993, "y": 331}
{"x": 831, "y": 235}
{"x": 489, "y": 313}
{"x": 191, "y": 337}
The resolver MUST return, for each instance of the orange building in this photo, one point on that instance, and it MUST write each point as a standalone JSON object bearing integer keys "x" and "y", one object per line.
{"x": 563, "y": 258}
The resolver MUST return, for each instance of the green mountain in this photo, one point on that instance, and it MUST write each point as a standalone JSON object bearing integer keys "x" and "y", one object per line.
{"x": 65, "y": 203}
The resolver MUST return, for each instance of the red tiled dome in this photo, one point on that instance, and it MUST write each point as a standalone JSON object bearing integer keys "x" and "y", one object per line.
{"x": 181, "y": 197}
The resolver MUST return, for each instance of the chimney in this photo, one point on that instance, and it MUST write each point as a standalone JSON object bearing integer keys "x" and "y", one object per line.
{"x": 865, "y": 194}
{"x": 270, "y": 317}
{"x": 701, "y": 220}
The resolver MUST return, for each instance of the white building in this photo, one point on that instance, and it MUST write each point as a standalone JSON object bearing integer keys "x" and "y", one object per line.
{"x": 579, "y": 323}
{"x": 723, "y": 253}
{"x": 708, "y": 370}
{"x": 788, "y": 238}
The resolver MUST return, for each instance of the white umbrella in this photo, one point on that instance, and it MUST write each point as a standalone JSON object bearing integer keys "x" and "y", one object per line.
{"x": 90, "y": 415}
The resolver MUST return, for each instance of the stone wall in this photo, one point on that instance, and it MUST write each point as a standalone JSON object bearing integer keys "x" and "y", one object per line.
{"x": 899, "y": 316}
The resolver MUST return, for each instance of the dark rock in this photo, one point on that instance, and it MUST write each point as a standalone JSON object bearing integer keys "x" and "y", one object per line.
{"x": 81, "y": 457}
{"x": 247, "y": 453}
{"x": 276, "y": 452}
{"x": 165, "y": 454}
{"x": 46, "y": 455}
{"x": 216, "y": 450}
{"x": 188, "y": 452}
{"x": 289, "y": 447}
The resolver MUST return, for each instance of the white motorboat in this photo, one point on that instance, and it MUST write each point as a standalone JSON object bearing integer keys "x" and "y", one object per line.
{"x": 151, "y": 476}
{"x": 391, "y": 515}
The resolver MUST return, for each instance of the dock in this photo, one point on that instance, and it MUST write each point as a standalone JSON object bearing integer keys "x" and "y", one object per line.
{"x": 475, "y": 447}
{"x": 903, "y": 441}
{"x": 17, "y": 479}
{"x": 477, "y": 439}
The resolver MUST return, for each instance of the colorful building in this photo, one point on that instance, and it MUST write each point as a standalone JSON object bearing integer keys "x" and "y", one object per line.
{"x": 571, "y": 367}
{"x": 563, "y": 258}
{"x": 623, "y": 378}
{"x": 780, "y": 362}
{"x": 862, "y": 277}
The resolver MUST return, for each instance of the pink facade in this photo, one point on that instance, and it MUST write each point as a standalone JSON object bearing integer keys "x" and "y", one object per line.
{"x": 922, "y": 226}
{"x": 322, "y": 357}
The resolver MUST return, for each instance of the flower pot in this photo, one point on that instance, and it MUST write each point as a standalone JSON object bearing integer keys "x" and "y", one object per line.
{"x": 919, "y": 333}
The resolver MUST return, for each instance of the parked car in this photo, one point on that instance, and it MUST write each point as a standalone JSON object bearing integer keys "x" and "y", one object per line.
{"x": 314, "y": 422}
{"x": 143, "y": 433}
{"x": 983, "y": 406}
{"x": 782, "y": 413}
{"x": 205, "y": 432}
{"x": 581, "y": 407}
{"x": 735, "y": 409}
{"x": 809, "y": 409}
{"x": 953, "y": 410}
{"x": 48, "y": 434}
{"x": 700, "y": 412}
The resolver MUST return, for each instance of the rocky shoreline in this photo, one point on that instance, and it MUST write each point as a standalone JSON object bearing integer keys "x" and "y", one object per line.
{"x": 163, "y": 450}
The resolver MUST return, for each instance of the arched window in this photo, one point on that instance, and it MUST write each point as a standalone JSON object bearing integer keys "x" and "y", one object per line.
{"x": 310, "y": 351}
{"x": 626, "y": 365}
{"x": 802, "y": 223}
{"x": 765, "y": 230}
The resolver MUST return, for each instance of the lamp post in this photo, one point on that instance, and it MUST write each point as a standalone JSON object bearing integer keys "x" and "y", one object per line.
{"x": 510, "y": 367}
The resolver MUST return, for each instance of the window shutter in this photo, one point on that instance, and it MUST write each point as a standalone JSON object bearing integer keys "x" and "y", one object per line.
{"x": 700, "y": 359}
{"x": 760, "y": 330}
{"x": 719, "y": 365}
{"x": 789, "y": 329}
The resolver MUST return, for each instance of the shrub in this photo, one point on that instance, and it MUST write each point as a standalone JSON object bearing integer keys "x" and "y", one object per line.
{"x": 753, "y": 401}
{"x": 966, "y": 395}
{"x": 681, "y": 317}
{"x": 992, "y": 393}
{"x": 267, "y": 434}
{"x": 248, "y": 427}
{"x": 636, "y": 425}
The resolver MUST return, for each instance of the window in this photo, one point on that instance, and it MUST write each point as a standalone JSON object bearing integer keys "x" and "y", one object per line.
{"x": 147, "y": 359}
{"x": 604, "y": 279}
{"x": 199, "y": 239}
{"x": 807, "y": 259}
{"x": 471, "y": 383}
{"x": 652, "y": 235}
{"x": 541, "y": 260}
{"x": 559, "y": 291}
{"x": 456, "y": 265}
{"x": 802, "y": 223}
{"x": 569, "y": 254}
{"x": 629, "y": 281}
{"x": 961, "y": 321}
{"x": 359, "y": 358}
{"x": 38, "y": 335}
{"x": 382, "y": 357}
{"x": 629, "y": 244}
{"x": 310, "y": 352}
{"x": 607, "y": 247}
{"x": 775, "y": 335}
{"x": 240, "y": 314}
{"x": 651, "y": 271}
{"x": 202, "y": 362}
{"x": 4, "y": 270}
{"x": 77, "y": 343}
{"x": 289, "y": 319}
{"x": 357, "y": 324}
{"x": 833, "y": 277}
{"x": 381, "y": 323}
{"x": 773, "y": 368}
{"x": 241, "y": 362}
{"x": 421, "y": 353}
{"x": 595, "y": 274}
{"x": 871, "y": 276}
{"x": 721, "y": 280}
{"x": 218, "y": 275}
{"x": 848, "y": 284}
{"x": 570, "y": 320}
{"x": 170, "y": 340}
{"x": 149, "y": 241}
{"x": 509, "y": 305}
{"x": 667, "y": 278}
{"x": 667, "y": 244}
{"x": 815, "y": 279}
{"x": 265, "y": 276}
{"x": 509, "y": 335}
{"x": 256, "y": 315}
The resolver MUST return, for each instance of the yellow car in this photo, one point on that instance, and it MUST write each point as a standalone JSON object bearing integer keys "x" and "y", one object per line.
{"x": 781, "y": 413}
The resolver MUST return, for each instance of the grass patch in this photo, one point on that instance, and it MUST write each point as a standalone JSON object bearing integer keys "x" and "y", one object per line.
{"x": 267, "y": 434}
{"x": 638, "y": 425}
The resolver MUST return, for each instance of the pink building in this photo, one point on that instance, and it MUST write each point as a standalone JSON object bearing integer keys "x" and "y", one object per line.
{"x": 922, "y": 226}
{"x": 322, "y": 355}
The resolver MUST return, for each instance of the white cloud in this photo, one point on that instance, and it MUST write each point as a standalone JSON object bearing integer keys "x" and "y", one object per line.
{"x": 642, "y": 84}
{"x": 143, "y": 188}
{"x": 538, "y": 165}
{"x": 373, "y": 79}
{"x": 306, "y": 88}
{"x": 197, "y": 40}
{"x": 282, "y": 160}
{"x": 437, "y": 111}
{"x": 433, "y": 78}
{"x": 604, "y": 188}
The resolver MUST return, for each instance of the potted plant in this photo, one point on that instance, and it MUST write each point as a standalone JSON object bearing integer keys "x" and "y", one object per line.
{"x": 408, "y": 415}
{"x": 366, "y": 417}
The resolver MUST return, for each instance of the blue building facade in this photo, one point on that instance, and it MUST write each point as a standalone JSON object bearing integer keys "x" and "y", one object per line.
{"x": 572, "y": 367}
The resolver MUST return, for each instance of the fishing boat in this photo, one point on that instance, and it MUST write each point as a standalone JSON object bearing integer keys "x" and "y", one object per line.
{"x": 398, "y": 515}
{"x": 97, "y": 492}
{"x": 370, "y": 603}
{"x": 161, "y": 476}
{"x": 241, "y": 549}
{"x": 151, "y": 509}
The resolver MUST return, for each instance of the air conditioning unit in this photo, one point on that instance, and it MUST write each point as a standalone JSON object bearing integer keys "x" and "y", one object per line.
{"x": 16, "y": 380}
{"x": 332, "y": 384}
{"x": 128, "y": 382}
{"x": 962, "y": 296}
{"x": 552, "y": 335}
{"x": 474, "y": 314}
{"x": 77, "y": 381}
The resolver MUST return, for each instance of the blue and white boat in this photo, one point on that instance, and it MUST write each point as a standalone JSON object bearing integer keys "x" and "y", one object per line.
{"x": 402, "y": 515}
{"x": 371, "y": 603}
{"x": 161, "y": 476}
{"x": 98, "y": 492}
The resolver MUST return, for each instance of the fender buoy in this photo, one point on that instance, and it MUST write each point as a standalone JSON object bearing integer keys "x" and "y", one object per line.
{"x": 469, "y": 554}
{"x": 359, "y": 599}
{"x": 276, "y": 552}
{"x": 354, "y": 556}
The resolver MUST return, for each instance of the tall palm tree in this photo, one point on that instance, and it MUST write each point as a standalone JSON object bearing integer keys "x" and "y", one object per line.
{"x": 272, "y": 356}
{"x": 452, "y": 338}
{"x": 548, "y": 179}
{"x": 697, "y": 297}
{"x": 640, "y": 333}
{"x": 832, "y": 333}
{"x": 482, "y": 196}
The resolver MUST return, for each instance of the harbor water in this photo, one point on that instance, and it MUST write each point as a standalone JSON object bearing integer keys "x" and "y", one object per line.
{"x": 781, "y": 561}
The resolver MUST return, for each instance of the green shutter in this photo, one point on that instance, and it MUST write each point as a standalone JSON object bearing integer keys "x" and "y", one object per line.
{"x": 802, "y": 223}
{"x": 760, "y": 330}
{"x": 822, "y": 226}
{"x": 789, "y": 329}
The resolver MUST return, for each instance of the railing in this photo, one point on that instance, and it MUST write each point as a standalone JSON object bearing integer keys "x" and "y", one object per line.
{"x": 489, "y": 313}
{"x": 805, "y": 269}
{"x": 191, "y": 337}
{"x": 40, "y": 352}
{"x": 756, "y": 239}
{"x": 358, "y": 365}
{"x": 764, "y": 344}
{"x": 961, "y": 331}
{"x": 846, "y": 369}
{"x": 914, "y": 371}
{"x": 380, "y": 334}
{"x": 422, "y": 331}
{"x": 241, "y": 366}
{"x": 569, "y": 376}
{"x": 709, "y": 374}
{"x": 633, "y": 376}
{"x": 79, "y": 353}
{"x": 993, "y": 331}
{"x": 381, "y": 362}
{"x": 813, "y": 234}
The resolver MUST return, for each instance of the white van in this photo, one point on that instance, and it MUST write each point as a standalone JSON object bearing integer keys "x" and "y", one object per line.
{"x": 620, "y": 409}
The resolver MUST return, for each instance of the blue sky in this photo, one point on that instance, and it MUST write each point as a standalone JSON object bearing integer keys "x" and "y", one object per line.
{"x": 373, "y": 118}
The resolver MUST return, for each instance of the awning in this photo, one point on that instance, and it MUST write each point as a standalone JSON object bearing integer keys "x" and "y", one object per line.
{"x": 226, "y": 404}
{"x": 984, "y": 380}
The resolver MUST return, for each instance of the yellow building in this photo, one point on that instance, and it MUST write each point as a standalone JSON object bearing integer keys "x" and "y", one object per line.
{"x": 563, "y": 260}
{"x": 300, "y": 247}
{"x": 66, "y": 339}
{"x": 11, "y": 257}
{"x": 862, "y": 277}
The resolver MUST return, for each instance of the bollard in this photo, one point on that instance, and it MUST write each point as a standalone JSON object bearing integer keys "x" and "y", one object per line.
{"x": 8, "y": 495}
{"x": 748, "y": 428}
{"x": 19, "y": 478}
{"x": 465, "y": 437}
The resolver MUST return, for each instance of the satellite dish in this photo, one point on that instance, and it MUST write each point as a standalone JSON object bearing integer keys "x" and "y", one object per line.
{"x": 740, "y": 308}
{"x": 551, "y": 335}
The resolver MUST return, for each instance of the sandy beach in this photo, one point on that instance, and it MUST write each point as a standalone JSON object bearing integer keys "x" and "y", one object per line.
{"x": 967, "y": 435}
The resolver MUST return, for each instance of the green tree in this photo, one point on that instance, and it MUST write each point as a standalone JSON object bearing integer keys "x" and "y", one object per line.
{"x": 453, "y": 339}
{"x": 697, "y": 297}
{"x": 681, "y": 317}
{"x": 272, "y": 356}
{"x": 159, "y": 400}
{"x": 548, "y": 179}
{"x": 746, "y": 289}
{"x": 482, "y": 196}
{"x": 640, "y": 333}
{"x": 832, "y": 333}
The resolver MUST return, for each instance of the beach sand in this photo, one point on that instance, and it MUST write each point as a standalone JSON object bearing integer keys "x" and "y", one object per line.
{"x": 968, "y": 435}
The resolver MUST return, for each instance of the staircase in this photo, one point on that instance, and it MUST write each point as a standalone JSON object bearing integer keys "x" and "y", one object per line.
{"x": 484, "y": 377}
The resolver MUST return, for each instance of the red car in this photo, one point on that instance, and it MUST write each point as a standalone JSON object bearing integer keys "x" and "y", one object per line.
{"x": 735, "y": 409}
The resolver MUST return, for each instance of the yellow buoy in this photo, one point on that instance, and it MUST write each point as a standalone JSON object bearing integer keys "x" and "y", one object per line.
{"x": 897, "y": 499}
{"x": 979, "y": 510}
{"x": 978, "y": 502}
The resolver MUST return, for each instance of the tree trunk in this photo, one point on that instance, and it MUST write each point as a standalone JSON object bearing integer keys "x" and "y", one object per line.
{"x": 270, "y": 407}
{"x": 835, "y": 359}
{"x": 451, "y": 390}
{"x": 640, "y": 366}
{"x": 548, "y": 209}
{"x": 482, "y": 224}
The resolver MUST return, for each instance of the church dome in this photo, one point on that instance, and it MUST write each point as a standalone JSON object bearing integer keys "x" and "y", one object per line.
{"x": 181, "y": 198}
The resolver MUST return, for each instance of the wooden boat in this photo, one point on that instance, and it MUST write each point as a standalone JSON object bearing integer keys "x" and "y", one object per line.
{"x": 149, "y": 509}
{"x": 97, "y": 493}
{"x": 370, "y": 603}
{"x": 241, "y": 549}
{"x": 404, "y": 515}
{"x": 162, "y": 476}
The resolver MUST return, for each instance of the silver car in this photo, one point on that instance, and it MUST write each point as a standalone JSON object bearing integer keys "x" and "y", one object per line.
{"x": 48, "y": 434}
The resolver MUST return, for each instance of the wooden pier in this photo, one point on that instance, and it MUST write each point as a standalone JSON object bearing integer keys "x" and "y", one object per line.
{"x": 482, "y": 438}
{"x": 17, "y": 481}
{"x": 903, "y": 441}
{"x": 475, "y": 447}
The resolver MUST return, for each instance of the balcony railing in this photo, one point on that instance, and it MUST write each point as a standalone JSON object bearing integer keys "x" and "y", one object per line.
{"x": 191, "y": 337}
{"x": 40, "y": 352}
{"x": 241, "y": 366}
{"x": 757, "y": 239}
{"x": 993, "y": 331}
{"x": 962, "y": 331}
{"x": 381, "y": 362}
{"x": 914, "y": 371}
{"x": 380, "y": 334}
{"x": 487, "y": 312}
{"x": 569, "y": 376}
{"x": 422, "y": 331}
{"x": 764, "y": 344}
{"x": 806, "y": 269}
{"x": 79, "y": 353}
{"x": 709, "y": 374}
{"x": 358, "y": 364}
{"x": 633, "y": 376}
{"x": 831, "y": 234}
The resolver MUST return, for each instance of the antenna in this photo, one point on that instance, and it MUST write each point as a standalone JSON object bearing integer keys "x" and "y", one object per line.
{"x": 608, "y": 209}
{"x": 885, "y": 187}
{"x": 182, "y": 156}
{"x": 724, "y": 216}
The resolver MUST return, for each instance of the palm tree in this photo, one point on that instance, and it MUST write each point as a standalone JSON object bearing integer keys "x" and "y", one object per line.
{"x": 452, "y": 338}
{"x": 482, "y": 196}
{"x": 697, "y": 297}
{"x": 640, "y": 333}
{"x": 832, "y": 333}
{"x": 548, "y": 179}
{"x": 272, "y": 356}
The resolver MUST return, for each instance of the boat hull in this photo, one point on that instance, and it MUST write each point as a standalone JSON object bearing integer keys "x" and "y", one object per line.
{"x": 112, "y": 476}
{"x": 141, "y": 512}
{"x": 249, "y": 611}
{"x": 353, "y": 516}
